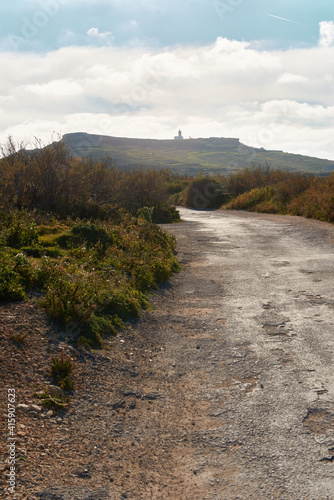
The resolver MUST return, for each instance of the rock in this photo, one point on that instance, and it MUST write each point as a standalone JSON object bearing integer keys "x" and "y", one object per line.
{"x": 84, "y": 348}
{"x": 22, "y": 406}
{"x": 83, "y": 473}
{"x": 73, "y": 350}
{"x": 54, "y": 390}
{"x": 35, "y": 408}
{"x": 118, "y": 404}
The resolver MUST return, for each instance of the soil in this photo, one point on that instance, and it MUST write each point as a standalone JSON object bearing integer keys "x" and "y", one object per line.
{"x": 223, "y": 390}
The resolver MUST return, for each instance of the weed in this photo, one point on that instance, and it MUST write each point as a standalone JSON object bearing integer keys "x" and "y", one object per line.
{"x": 19, "y": 338}
{"x": 22, "y": 229}
{"x": 10, "y": 284}
{"x": 61, "y": 370}
{"x": 67, "y": 302}
{"x": 56, "y": 402}
{"x": 24, "y": 269}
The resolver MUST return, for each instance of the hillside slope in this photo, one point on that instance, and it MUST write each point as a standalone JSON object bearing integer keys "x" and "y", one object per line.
{"x": 189, "y": 156}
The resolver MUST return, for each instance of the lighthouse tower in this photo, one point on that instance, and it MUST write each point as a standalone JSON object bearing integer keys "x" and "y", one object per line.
{"x": 179, "y": 136}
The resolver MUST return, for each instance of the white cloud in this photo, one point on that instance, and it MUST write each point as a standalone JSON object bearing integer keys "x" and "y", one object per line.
{"x": 288, "y": 78}
{"x": 105, "y": 37}
{"x": 326, "y": 34}
{"x": 276, "y": 100}
{"x": 56, "y": 88}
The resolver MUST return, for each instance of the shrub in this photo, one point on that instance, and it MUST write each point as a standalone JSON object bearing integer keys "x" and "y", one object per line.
{"x": 145, "y": 213}
{"x": 317, "y": 202}
{"x": 164, "y": 214}
{"x": 45, "y": 272}
{"x": 10, "y": 284}
{"x": 22, "y": 230}
{"x": 85, "y": 233}
{"x": 123, "y": 303}
{"x": 268, "y": 207}
{"x": 250, "y": 178}
{"x": 205, "y": 192}
{"x": 67, "y": 302}
{"x": 24, "y": 269}
{"x": 94, "y": 330}
{"x": 61, "y": 370}
{"x": 249, "y": 201}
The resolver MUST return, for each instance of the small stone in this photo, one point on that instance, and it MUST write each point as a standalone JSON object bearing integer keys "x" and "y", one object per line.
{"x": 83, "y": 473}
{"x": 35, "y": 408}
{"x": 40, "y": 393}
{"x": 55, "y": 390}
{"x": 22, "y": 406}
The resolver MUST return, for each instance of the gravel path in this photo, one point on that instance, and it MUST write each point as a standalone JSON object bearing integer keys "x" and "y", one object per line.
{"x": 225, "y": 389}
{"x": 263, "y": 298}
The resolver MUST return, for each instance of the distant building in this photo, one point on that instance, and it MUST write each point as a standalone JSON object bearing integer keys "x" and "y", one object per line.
{"x": 179, "y": 136}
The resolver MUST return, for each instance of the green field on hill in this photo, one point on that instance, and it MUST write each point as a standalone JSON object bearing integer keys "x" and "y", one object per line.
{"x": 190, "y": 156}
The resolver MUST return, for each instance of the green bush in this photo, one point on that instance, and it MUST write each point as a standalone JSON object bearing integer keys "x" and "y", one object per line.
{"x": 24, "y": 269}
{"x": 204, "y": 193}
{"x": 317, "y": 202}
{"x": 22, "y": 230}
{"x": 145, "y": 213}
{"x": 61, "y": 371}
{"x": 11, "y": 287}
{"x": 123, "y": 303}
{"x": 67, "y": 302}
{"x": 164, "y": 214}
{"x": 97, "y": 328}
{"x": 252, "y": 199}
{"x": 89, "y": 234}
{"x": 45, "y": 272}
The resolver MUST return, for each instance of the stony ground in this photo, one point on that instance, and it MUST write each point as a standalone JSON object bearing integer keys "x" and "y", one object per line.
{"x": 223, "y": 390}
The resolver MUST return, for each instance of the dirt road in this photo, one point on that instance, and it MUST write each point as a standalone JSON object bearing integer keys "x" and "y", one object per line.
{"x": 258, "y": 295}
{"x": 226, "y": 389}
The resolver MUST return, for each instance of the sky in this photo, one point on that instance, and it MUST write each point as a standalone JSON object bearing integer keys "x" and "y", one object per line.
{"x": 258, "y": 70}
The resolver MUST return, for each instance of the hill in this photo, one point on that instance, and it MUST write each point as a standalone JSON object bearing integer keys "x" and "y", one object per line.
{"x": 189, "y": 156}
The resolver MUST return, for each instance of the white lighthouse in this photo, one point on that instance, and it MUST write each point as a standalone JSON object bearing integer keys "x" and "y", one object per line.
{"x": 179, "y": 136}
